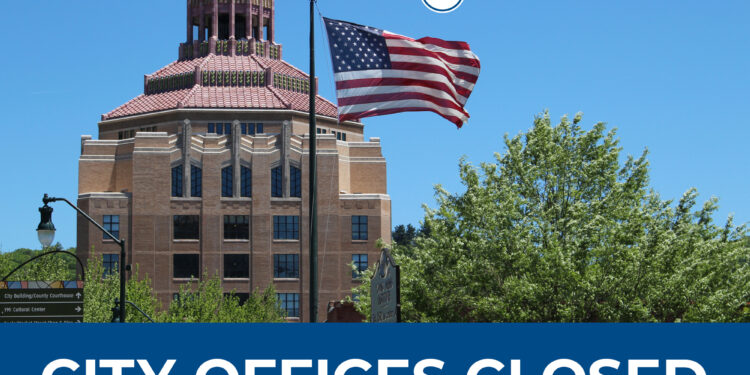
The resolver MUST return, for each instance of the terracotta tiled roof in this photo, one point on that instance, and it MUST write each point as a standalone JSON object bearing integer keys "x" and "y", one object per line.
{"x": 301, "y": 102}
{"x": 224, "y": 97}
{"x": 148, "y": 103}
{"x": 233, "y": 97}
{"x": 215, "y": 62}
{"x": 180, "y": 66}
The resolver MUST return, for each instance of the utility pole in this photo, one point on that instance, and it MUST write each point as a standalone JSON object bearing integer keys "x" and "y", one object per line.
{"x": 313, "y": 178}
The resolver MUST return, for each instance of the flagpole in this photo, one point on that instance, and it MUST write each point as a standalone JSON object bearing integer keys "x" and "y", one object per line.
{"x": 313, "y": 173}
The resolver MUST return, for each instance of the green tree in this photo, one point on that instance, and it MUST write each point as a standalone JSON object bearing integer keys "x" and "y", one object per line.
{"x": 204, "y": 301}
{"x": 558, "y": 229}
{"x": 199, "y": 301}
{"x": 47, "y": 268}
{"x": 404, "y": 235}
{"x": 100, "y": 291}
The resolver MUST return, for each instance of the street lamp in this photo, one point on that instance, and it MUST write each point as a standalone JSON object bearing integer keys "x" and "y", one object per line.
{"x": 46, "y": 230}
{"x": 46, "y": 233}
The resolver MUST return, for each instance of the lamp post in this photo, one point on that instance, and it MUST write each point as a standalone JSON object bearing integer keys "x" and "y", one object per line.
{"x": 46, "y": 233}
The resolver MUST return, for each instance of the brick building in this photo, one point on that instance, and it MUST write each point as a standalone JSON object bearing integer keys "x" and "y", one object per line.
{"x": 208, "y": 169}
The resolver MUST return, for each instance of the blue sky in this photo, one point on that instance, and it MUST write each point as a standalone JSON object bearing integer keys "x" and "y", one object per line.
{"x": 672, "y": 76}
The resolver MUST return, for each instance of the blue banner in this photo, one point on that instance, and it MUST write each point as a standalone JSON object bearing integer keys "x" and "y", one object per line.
{"x": 374, "y": 349}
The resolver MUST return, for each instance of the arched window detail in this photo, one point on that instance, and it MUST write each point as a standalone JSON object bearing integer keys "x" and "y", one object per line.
{"x": 196, "y": 181}
{"x": 177, "y": 181}
{"x": 246, "y": 183}
{"x": 227, "y": 181}
{"x": 276, "y": 183}
{"x": 295, "y": 182}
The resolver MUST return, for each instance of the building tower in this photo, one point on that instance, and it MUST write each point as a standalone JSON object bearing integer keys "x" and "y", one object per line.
{"x": 207, "y": 170}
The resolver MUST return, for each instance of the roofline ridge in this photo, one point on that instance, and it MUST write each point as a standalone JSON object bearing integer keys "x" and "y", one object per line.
{"x": 308, "y": 77}
{"x": 181, "y": 103}
{"x": 206, "y": 61}
{"x": 164, "y": 68}
{"x": 287, "y": 103}
{"x": 327, "y": 101}
{"x": 257, "y": 61}
{"x": 300, "y": 71}
{"x": 122, "y": 106}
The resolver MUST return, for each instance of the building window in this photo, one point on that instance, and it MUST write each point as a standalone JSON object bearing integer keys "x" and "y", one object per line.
{"x": 343, "y": 137}
{"x": 246, "y": 183}
{"x": 338, "y": 136}
{"x": 295, "y": 182}
{"x": 289, "y": 302}
{"x": 360, "y": 265}
{"x": 251, "y": 128}
{"x": 211, "y": 128}
{"x": 242, "y": 297}
{"x": 221, "y": 129}
{"x": 177, "y": 181}
{"x": 236, "y": 266}
{"x": 186, "y": 227}
{"x": 112, "y": 225}
{"x": 110, "y": 263}
{"x": 276, "y": 185}
{"x": 359, "y": 227}
{"x": 186, "y": 266}
{"x": 286, "y": 266}
{"x": 226, "y": 182}
{"x": 286, "y": 227}
{"x": 236, "y": 227}
{"x": 125, "y": 134}
{"x": 196, "y": 181}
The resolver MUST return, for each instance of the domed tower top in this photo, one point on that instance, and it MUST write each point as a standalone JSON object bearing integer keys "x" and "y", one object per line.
{"x": 215, "y": 26}
{"x": 229, "y": 61}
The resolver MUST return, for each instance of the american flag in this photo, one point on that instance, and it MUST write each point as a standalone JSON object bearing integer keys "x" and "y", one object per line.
{"x": 379, "y": 73}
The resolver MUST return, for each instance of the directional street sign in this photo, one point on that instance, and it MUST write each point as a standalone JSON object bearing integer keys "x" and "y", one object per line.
{"x": 41, "y": 305}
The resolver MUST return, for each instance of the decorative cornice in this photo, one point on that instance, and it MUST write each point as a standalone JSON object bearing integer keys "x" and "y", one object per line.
{"x": 243, "y": 47}
{"x": 173, "y": 82}
{"x": 233, "y": 78}
{"x": 290, "y": 83}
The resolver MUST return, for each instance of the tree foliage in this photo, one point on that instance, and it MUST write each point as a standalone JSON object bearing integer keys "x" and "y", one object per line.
{"x": 204, "y": 301}
{"x": 50, "y": 267}
{"x": 559, "y": 229}
{"x": 101, "y": 290}
{"x": 199, "y": 300}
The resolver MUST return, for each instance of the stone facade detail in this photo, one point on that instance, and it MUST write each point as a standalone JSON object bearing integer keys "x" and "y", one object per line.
{"x": 256, "y": 121}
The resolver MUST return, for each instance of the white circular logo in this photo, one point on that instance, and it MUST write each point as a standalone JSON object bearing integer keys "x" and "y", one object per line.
{"x": 442, "y": 6}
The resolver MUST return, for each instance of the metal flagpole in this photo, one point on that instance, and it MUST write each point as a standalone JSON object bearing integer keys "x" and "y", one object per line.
{"x": 313, "y": 173}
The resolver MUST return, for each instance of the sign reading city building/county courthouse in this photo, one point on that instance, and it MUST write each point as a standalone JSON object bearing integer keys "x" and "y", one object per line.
{"x": 41, "y": 302}
{"x": 385, "y": 291}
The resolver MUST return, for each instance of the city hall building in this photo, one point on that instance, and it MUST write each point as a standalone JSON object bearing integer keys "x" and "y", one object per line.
{"x": 207, "y": 170}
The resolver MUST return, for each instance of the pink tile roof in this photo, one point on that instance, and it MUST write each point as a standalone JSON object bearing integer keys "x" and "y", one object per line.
{"x": 224, "y": 97}
{"x": 148, "y": 103}
{"x": 180, "y": 66}
{"x": 233, "y": 97}
{"x": 216, "y": 62}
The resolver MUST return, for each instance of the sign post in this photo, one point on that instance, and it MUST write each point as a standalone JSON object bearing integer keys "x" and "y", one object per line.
{"x": 21, "y": 304}
{"x": 385, "y": 290}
